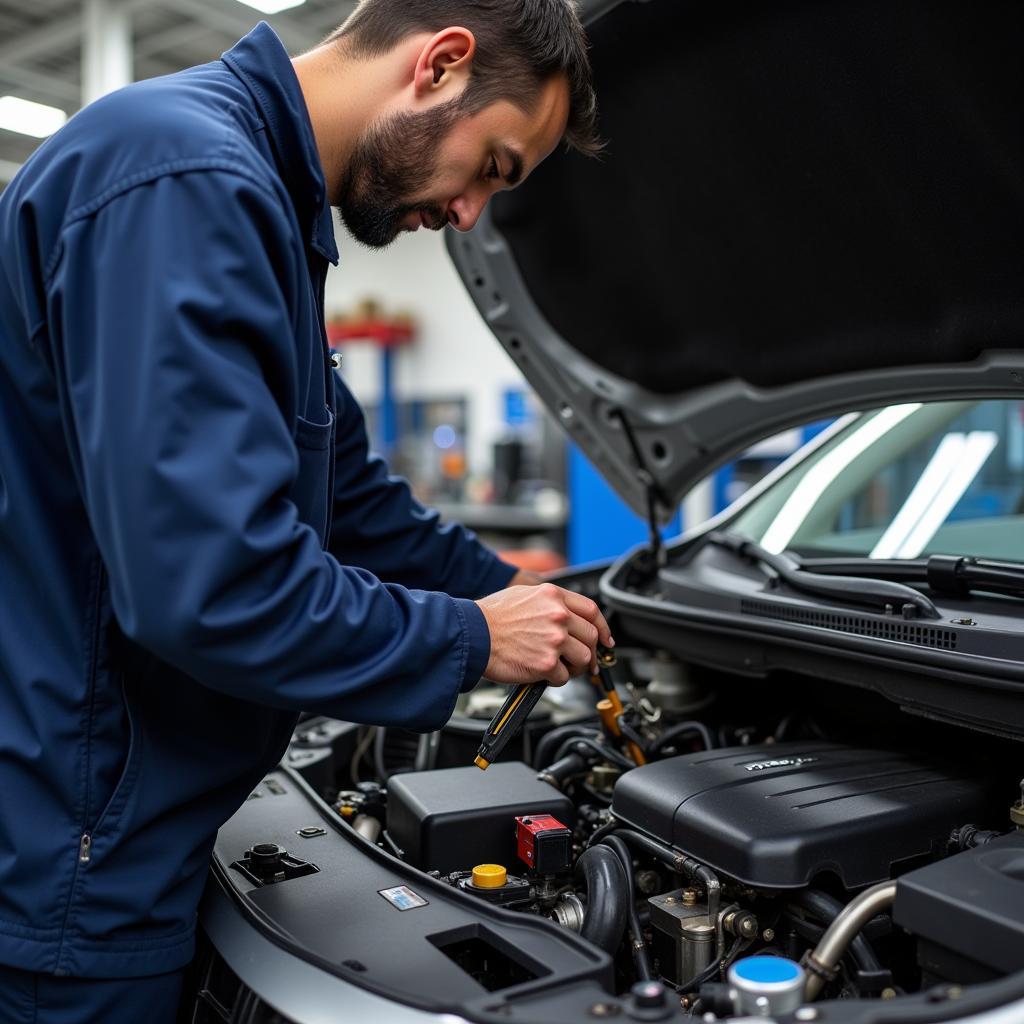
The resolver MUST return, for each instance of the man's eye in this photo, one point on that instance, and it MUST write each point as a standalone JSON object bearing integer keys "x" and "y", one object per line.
{"x": 492, "y": 171}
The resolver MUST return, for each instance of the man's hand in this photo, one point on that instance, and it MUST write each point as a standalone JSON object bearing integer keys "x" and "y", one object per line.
{"x": 542, "y": 633}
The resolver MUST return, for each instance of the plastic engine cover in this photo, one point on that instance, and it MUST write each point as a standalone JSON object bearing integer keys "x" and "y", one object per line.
{"x": 775, "y": 816}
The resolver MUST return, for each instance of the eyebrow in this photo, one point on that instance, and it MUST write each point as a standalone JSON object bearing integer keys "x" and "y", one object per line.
{"x": 515, "y": 162}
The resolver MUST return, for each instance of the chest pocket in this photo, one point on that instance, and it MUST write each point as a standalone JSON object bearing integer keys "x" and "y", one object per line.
{"x": 313, "y": 487}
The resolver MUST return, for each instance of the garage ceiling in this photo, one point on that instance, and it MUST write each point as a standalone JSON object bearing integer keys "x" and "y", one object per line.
{"x": 41, "y": 44}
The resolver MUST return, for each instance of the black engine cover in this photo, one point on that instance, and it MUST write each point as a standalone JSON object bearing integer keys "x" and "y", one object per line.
{"x": 775, "y": 816}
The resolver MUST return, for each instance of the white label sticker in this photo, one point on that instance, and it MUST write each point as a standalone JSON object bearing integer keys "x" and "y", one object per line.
{"x": 403, "y": 897}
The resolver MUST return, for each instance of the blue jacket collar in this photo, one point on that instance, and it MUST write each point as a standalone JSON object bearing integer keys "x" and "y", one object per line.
{"x": 262, "y": 63}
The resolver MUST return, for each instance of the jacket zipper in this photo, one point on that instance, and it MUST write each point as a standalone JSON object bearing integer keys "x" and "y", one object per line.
{"x": 85, "y": 848}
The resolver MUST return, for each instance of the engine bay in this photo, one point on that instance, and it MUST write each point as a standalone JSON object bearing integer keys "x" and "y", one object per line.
{"x": 722, "y": 846}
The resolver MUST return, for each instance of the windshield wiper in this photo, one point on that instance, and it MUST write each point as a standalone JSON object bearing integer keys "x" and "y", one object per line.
{"x": 893, "y": 598}
{"x": 958, "y": 576}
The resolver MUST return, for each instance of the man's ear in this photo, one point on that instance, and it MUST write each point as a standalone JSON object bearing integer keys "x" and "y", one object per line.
{"x": 444, "y": 62}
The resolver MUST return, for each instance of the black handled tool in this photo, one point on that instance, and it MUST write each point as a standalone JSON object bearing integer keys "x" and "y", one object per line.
{"x": 508, "y": 721}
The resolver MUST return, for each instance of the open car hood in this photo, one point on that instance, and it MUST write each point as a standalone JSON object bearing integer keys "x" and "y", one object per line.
{"x": 803, "y": 209}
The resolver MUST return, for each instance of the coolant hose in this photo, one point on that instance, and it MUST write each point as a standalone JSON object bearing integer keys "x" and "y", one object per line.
{"x": 598, "y": 870}
{"x": 840, "y": 933}
{"x": 636, "y": 932}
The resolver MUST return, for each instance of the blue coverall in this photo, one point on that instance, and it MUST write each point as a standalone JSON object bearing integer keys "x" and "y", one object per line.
{"x": 194, "y": 542}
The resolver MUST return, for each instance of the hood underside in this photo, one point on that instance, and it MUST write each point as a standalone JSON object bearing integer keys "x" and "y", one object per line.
{"x": 803, "y": 209}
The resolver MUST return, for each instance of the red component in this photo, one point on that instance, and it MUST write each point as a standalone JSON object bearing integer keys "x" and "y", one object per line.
{"x": 385, "y": 333}
{"x": 543, "y": 843}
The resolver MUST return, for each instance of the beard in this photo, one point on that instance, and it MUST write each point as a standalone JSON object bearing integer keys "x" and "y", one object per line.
{"x": 393, "y": 160}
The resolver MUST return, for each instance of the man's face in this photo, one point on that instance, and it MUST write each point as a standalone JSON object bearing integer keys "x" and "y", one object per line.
{"x": 439, "y": 166}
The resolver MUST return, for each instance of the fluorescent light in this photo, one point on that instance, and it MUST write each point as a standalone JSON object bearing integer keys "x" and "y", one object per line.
{"x": 272, "y": 6}
{"x": 977, "y": 448}
{"x": 28, "y": 118}
{"x": 816, "y": 481}
{"x": 929, "y": 484}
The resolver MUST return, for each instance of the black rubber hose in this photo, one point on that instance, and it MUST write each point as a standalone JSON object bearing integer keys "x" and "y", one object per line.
{"x": 549, "y": 742}
{"x": 827, "y": 908}
{"x": 681, "y": 730}
{"x": 604, "y": 753}
{"x": 683, "y": 865}
{"x": 671, "y": 858}
{"x": 712, "y": 968}
{"x": 598, "y": 870}
{"x": 564, "y": 769}
{"x": 602, "y": 831}
{"x": 639, "y": 947}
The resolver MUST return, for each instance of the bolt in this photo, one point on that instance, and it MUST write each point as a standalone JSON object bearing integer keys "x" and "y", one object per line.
{"x": 690, "y": 897}
{"x": 954, "y": 992}
{"x": 605, "y": 1010}
{"x": 888, "y": 993}
{"x": 806, "y": 1013}
{"x": 768, "y": 934}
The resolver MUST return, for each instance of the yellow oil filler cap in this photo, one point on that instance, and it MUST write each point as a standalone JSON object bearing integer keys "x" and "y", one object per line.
{"x": 489, "y": 876}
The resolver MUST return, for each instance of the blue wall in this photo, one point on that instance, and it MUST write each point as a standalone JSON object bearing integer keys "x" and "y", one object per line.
{"x": 601, "y": 524}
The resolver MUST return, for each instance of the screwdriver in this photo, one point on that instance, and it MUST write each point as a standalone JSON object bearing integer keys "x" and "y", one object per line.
{"x": 513, "y": 713}
{"x": 508, "y": 721}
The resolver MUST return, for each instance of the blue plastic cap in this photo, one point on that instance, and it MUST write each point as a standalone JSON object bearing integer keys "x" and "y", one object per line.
{"x": 767, "y": 969}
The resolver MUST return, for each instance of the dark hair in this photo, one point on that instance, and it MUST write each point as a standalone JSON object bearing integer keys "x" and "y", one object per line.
{"x": 520, "y": 45}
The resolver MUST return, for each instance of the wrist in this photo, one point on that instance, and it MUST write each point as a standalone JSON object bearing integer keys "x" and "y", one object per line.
{"x": 525, "y": 578}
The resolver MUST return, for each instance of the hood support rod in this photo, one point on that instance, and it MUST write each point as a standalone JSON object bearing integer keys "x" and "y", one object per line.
{"x": 652, "y": 491}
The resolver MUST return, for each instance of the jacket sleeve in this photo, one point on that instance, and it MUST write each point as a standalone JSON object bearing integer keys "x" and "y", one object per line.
{"x": 177, "y": 368}
{"x": 380, "y": 526}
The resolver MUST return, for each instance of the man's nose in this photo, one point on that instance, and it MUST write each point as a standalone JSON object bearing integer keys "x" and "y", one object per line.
{"x": 464, "y": 211}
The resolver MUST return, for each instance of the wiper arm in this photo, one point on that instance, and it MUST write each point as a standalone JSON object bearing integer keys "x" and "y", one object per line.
{"x": 885, "y": 594}
{"x": 945, "y": 574}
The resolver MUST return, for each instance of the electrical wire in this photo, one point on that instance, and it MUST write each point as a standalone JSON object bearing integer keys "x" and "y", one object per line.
{"x": 605, "y": 753}
{"x": 716, "y": 966}
{"x": 639, "y": 947}
{"x": 378, "y": 756}
{"x": 361, "y": 747}
{"x": 681, "y": 730}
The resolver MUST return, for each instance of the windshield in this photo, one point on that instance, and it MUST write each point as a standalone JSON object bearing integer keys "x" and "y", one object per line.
{"x": 906, "y": 481}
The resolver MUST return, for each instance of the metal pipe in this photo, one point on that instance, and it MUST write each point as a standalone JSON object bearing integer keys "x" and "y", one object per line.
{"x": 681, "y": 864}
{"x": 367, "y": 826}
{"x": 826, "y": 909}
{"x": 822, "y": 962}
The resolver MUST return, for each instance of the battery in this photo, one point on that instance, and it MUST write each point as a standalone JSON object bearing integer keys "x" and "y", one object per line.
{"x": 543, "y": 843}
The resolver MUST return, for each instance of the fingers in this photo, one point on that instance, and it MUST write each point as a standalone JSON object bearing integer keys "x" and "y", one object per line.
{"x": 584, "y": 631}
{"x": 576, "y": 656}
{"x": 587, "y": 609}
{"x": 559, "y": 675}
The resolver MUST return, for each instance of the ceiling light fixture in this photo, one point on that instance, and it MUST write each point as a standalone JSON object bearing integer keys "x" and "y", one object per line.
{"x": 28, "y": 118}
{"x": 272, "y": 6}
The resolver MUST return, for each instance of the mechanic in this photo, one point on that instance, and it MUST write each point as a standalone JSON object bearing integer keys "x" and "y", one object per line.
{"x": 194, "y": 542}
